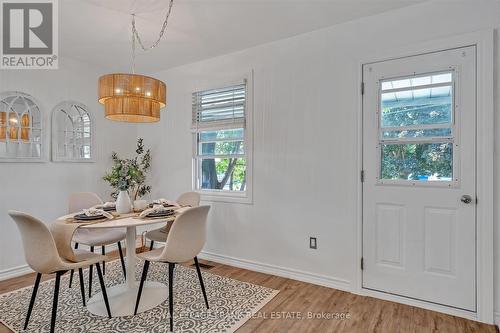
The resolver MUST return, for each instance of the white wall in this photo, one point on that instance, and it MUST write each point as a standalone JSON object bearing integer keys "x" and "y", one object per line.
{"x": 305, "y": 143}
{"x": 42, "y": 188}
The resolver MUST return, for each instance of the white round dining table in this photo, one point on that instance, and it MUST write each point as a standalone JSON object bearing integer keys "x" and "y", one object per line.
{"x": 122, "y": 297}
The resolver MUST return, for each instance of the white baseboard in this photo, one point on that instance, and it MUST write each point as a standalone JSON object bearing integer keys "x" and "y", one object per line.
{"x": 496, "y": 318}
{"x": 294, "y": 274}
{"x": 13, "y": 272}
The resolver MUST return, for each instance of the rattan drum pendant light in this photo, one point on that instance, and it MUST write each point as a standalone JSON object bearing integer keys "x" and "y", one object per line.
{"x": 132, "y": 97}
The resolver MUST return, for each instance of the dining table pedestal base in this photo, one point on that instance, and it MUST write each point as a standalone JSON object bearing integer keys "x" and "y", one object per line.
{"x": 122, "y": 299}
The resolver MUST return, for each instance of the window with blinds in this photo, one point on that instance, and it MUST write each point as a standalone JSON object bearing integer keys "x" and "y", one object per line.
{"x": 220, "y": 107}
{"x": 219, "y": 117}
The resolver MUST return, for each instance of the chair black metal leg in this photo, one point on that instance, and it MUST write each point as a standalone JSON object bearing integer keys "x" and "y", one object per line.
{"x": 152, "y": 245}
{"x": 72, "y": 271}
{"x": 103, "y": 251}
{"x": 82, "y": 285}
{"x": 91, "y": 273}
{"x": 103, "y": 289}
{"x": 171, "y": 267}
{"x": 33, "y": 297}
{"x": 201, "y": 281}
{"x": 121, "y": 259}
{"x": 141, "y": 285}
{"x": 54, "y": 302}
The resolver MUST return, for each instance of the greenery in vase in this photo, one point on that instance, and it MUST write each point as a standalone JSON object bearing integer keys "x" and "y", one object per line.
{"x": 130, "y": 174}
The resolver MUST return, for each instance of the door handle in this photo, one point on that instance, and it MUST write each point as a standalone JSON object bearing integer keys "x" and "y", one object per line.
{"x": 466, "y": 199}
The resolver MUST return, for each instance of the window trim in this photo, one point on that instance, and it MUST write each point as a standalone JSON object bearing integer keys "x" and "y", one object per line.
{"x": 54, "y": 131}
{"x": 245, "y": 197}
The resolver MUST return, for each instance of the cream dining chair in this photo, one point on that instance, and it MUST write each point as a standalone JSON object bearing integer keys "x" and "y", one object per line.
{"x": 83, "y": 200}
{"x": 160, "y": 235}
{"x": 41, "y": 255}
{"x": 184, "y": 242}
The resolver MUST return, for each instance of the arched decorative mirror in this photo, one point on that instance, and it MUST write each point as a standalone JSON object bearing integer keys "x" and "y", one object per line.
{"x": 20, "y": 127}
{"x": 72, "y": 132}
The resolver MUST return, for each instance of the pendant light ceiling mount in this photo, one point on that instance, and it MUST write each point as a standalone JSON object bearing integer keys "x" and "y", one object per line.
{"x": 133, "y": 97}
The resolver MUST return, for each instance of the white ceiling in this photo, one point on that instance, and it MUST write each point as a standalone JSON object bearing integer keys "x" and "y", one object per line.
{"x": 98, "y": 31}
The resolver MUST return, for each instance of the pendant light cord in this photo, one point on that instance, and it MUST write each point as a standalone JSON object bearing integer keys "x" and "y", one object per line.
{"x": 133, "y": 44}
{"x": 137, "y": 38}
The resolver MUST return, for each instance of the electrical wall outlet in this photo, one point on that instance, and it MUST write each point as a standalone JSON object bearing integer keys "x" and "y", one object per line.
{"x": 313, "y": 243}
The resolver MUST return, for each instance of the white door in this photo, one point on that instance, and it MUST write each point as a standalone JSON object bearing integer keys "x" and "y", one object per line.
{"x": 419, "y": 206}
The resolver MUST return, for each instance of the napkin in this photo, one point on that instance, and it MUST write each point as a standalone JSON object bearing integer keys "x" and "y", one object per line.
{"x": 97, "y": 212}
{"x": 155, "y": 209}
{"x": 163, "y": 201}
{"x": 108, "y": 204}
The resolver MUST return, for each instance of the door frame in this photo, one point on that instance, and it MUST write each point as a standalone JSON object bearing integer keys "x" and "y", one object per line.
{"x": 484, "y": 42}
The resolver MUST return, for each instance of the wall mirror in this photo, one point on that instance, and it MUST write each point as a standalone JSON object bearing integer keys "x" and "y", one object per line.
{"x": 20, "y": 128}
{"x": 72, "y": 132}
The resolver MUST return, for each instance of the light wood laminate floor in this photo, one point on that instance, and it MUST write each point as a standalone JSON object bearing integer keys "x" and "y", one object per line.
{"x": 288, "y": 311}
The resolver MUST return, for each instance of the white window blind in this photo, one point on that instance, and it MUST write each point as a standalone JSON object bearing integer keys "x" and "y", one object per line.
{"x": 221, "y": 108}
{"x": 220, "y": 141}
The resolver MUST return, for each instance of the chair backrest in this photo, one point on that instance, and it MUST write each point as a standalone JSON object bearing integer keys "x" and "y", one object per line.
{"x": 189, "y": 199}
{"x": 187, "y": 235}
{"x": 40, "y": 249}
{"x": 82, "y": 200}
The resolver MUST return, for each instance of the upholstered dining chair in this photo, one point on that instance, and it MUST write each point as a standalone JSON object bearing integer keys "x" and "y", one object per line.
{"x": 160, "y": 235}
{"x": 184, "y": 242}
{"x": 83, "y": 200}
{"x": 41, "y": 255}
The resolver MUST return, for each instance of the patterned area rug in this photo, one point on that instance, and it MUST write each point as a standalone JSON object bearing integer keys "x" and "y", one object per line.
{"x": 232, "y": 303}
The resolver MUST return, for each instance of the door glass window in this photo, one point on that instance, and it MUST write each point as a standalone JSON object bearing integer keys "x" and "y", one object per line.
{"x": 416, "y": 128}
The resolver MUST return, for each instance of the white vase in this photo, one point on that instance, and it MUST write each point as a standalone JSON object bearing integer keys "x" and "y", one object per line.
{"x": 123, "y": 203}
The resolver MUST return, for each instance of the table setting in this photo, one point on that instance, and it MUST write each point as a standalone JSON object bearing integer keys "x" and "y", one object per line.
{"x": 107, "y": 206}
{"x": 159, "y": 208}
{"x": 142, "y": 213}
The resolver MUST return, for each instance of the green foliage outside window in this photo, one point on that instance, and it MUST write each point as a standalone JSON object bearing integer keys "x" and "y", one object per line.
{"x": 223, "y": 173}
{"x": 420, "y": 161}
